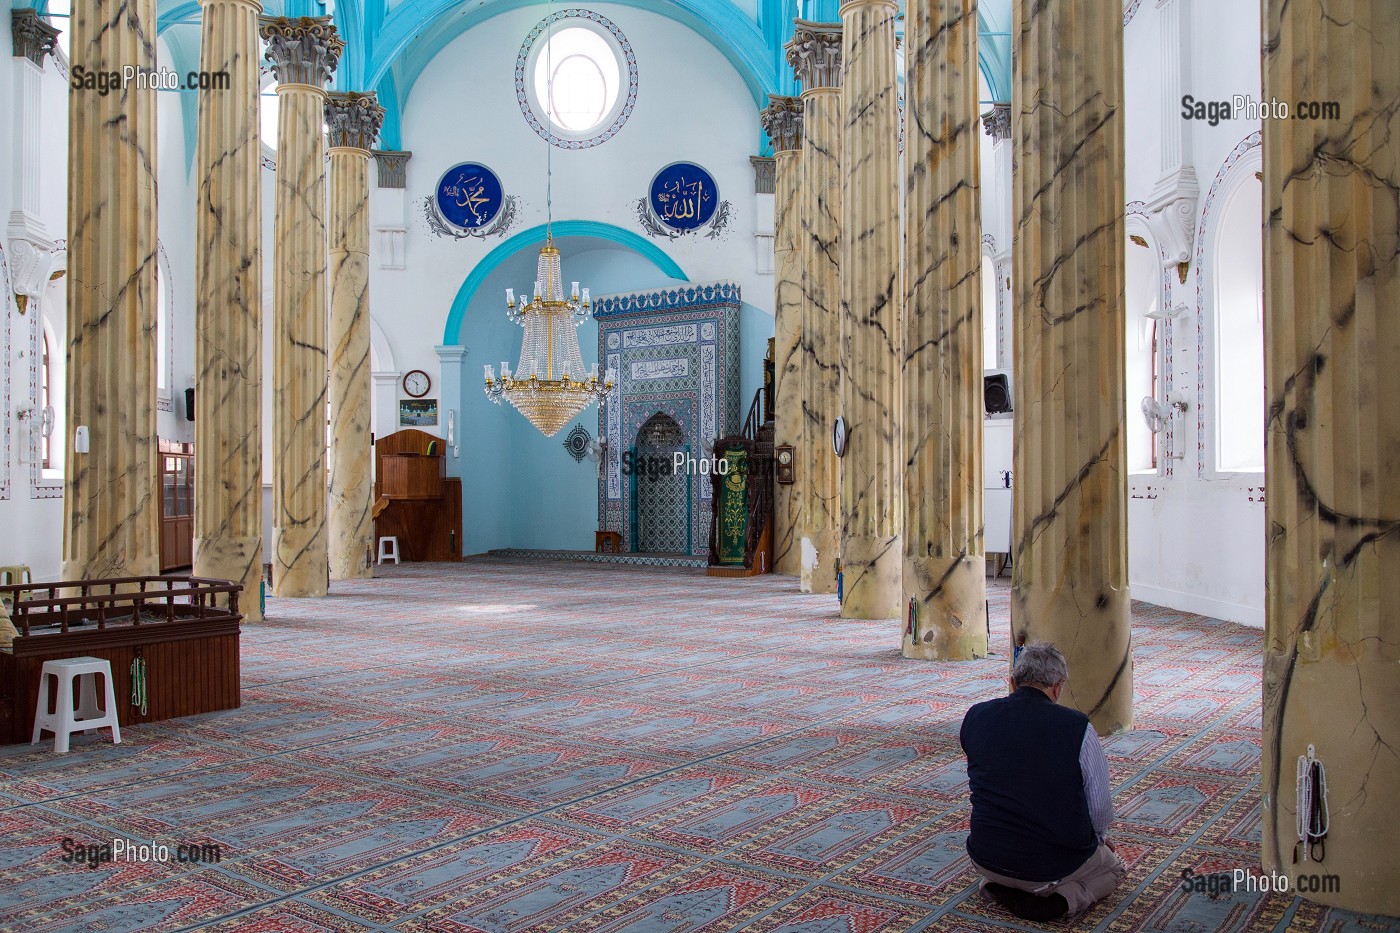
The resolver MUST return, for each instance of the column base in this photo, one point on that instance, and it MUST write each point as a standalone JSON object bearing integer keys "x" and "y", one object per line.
{"x": 309, "y": 576}
{"x": 1346, "y": 710}
{"x": 233, "y": 558}
{"x": 818, "y": 551}
{"x": 871, "y": 575}
{"x": 951, "y": 596}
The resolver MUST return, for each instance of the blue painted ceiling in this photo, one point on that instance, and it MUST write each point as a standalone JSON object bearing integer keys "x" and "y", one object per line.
{"x": 390, "y": 42}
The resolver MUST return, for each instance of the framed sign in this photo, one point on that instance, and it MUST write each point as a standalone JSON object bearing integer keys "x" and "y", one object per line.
{"x": 684, "y": 196}
{"x": 469, "y": 196}
{"x": 418, "y": 412}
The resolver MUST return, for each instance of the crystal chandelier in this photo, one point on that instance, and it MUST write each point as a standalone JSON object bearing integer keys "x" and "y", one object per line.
{"x": 549, "y": 386}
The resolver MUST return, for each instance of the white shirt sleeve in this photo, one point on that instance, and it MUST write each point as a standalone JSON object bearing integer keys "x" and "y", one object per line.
{"x": 1097, "y": 792}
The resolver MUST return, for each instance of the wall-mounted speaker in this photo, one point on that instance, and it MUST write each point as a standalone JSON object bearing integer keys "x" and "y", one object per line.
{"x": 996, "y": 392}
{"x": 189, "y": 404}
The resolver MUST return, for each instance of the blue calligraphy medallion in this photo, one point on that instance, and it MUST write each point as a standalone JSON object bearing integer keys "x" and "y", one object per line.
{"x": 469, "y": 196}
{"x": 684, "y": 196}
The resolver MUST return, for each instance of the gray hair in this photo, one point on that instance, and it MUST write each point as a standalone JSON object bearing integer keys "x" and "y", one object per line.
{"x": 1040, "y": 664}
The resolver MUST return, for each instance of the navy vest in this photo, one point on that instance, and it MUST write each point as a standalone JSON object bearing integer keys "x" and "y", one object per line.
{"x": 1030, "y": 819}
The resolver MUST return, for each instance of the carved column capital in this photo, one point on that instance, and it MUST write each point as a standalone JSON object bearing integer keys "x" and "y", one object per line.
{"x": 303, "y": 49}
{"x": 765, "y": 174}
{"x": 33, "y": 37}
{"x": 782, "y": 121}
{"x": 997, "y": 122}
{"x": 391, "y": 167}
{"x": 353, "y": 119}
{"x": 815, "y": 54}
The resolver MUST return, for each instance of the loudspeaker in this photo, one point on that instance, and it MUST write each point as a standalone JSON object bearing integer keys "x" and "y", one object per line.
{"x": 996, "y": 392}
{"x": 189, "y": 404}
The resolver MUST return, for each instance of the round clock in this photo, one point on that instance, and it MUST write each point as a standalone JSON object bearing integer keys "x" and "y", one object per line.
{"x": 785, "y": 456}
{"x": 417, "y": 383}
{"x": 838, "y": 437}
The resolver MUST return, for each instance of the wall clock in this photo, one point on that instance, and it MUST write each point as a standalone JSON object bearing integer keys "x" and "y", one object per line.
{"x": 838, "y": 437}
{"x": 785, "y": 461}
{"x": 416, "y": 383}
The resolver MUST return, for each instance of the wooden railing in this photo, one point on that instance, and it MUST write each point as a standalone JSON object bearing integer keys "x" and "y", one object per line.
{"x": 127, "y": 601}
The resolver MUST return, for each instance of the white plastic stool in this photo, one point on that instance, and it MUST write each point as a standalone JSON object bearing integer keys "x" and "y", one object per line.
{"x": 64, "y": 720}
{"x": 388, "y": 549}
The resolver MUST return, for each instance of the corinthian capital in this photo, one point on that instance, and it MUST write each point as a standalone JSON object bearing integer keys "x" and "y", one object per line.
{"x": 997, "y": 121}
{"x": 353, "y": 119}
{"x": 815, "y": 54}
{"x": 782, "y": 121}
{"x": 33, "y": 38}
{"x": 302, "y": 49}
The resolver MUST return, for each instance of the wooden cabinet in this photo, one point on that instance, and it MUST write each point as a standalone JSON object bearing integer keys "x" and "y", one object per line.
{"x": 415, "y": 501}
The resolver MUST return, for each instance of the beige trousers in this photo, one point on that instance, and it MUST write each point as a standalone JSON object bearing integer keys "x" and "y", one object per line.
{"x": 1090, "y": 883}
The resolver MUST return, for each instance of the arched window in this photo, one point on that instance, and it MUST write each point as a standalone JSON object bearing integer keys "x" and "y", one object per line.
{"x": 1143, "y": 295}
{"x": 990, "y": 358}
{"x": 1238, "y": 280}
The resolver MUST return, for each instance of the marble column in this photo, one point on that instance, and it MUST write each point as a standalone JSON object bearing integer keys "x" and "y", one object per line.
{"x": 228, "y": 515}
{"x": 111, "y": 502}
{"x": 872, "y": 471}
{"x": 815, "y": 54}
{"x": 1332, "y": 357}
{"x": 783, "y": 123}
{"x": 945, "y": 565}
{"x": 303, "y": 53}
{"x": 354, "y": 121}
{"x": 1069, "y": 533}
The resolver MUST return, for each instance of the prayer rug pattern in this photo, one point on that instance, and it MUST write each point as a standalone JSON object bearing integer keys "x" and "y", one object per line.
{"x": 519, "y": 745}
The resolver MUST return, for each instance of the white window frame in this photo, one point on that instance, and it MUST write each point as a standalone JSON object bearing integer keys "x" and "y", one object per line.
{"x": 1242, "y": 172}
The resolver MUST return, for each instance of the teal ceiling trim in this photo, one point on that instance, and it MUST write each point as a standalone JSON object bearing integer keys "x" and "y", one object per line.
{"x": 416, "y": 30}
{"x": 349, "y": 74}
{"x": 533, "y": 239}
{"x": 176, "y": 14}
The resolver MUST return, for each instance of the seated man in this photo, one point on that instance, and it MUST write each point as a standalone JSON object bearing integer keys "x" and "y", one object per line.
{"x": 1040, "y": 796}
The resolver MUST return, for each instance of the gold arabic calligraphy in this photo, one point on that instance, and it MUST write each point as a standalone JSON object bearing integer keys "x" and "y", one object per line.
{"x": 681, "y": 201}
{"x": 469, "y": 192}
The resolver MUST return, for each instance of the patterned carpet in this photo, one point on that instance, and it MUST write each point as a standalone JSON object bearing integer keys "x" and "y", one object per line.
{"x": 526, "y": 746}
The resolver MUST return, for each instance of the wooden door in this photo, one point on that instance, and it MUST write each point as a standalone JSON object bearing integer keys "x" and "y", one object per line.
{"x": 177, "y": 506}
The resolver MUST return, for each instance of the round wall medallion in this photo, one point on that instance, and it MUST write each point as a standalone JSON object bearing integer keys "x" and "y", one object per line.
{"x": 577, "y": 442}
{"x": 612, "y": 118}
{"x": 684, "y": 196}
{"x": 469, "y": 196}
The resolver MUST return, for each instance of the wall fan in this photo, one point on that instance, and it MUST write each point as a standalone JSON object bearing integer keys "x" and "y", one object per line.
{"x": 1155, "y": 414}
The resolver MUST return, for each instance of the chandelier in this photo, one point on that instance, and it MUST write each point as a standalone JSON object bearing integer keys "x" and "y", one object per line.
{"x": 549, "y": 386}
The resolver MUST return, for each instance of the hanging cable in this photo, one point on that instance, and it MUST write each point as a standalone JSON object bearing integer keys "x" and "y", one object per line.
{"x": 549, "y": 122}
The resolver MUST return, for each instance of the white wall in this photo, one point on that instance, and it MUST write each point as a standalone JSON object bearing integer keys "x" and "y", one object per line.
{"x": 1196, "y": 538}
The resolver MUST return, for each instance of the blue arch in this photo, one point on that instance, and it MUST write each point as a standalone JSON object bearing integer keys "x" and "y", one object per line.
{"x": 534, "y": 237}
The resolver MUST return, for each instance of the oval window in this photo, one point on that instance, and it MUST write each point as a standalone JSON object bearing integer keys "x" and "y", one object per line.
{"x": 579, "y": 64}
